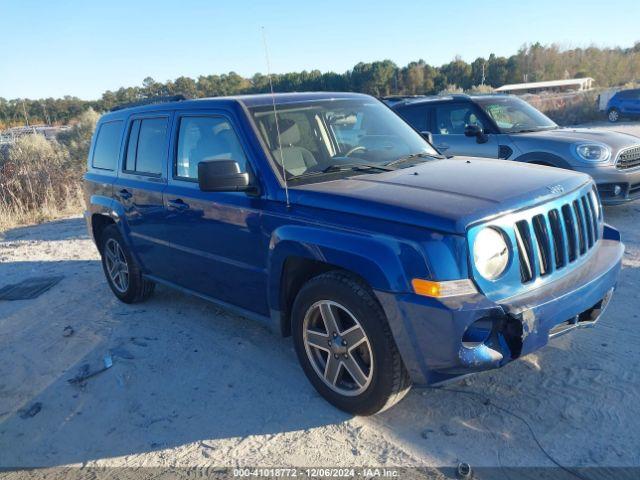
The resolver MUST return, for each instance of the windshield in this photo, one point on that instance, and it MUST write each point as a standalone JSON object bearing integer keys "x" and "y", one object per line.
{"x": 513, "y": 115}
{"x": 318, "y": 138}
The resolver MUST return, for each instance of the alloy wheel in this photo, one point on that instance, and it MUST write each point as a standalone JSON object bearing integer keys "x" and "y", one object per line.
{"x": 117, "y": 267}
{"x": 338, "y": 348}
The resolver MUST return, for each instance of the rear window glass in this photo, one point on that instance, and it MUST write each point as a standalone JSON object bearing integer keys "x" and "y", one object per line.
{"x": 107, "y": 146}
{"x": 147, "y": 147}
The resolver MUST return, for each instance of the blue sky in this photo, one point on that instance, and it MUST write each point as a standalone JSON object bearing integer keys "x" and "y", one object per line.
{"x": 83, "y": 48}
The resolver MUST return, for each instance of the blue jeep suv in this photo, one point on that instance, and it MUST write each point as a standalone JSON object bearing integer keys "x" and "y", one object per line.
{"x": 330, "y": 219}
{"x": 625, "y": 103}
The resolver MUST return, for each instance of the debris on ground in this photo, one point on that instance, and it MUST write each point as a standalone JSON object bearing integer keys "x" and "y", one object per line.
{"x": 68, "y": 331}
{"x": 85, "y": 371}
{"x": 137, "y": 342}
{"x": 122, "y": 352}
{"x": 32, "y": 411}
{"x": 29, "y": 288}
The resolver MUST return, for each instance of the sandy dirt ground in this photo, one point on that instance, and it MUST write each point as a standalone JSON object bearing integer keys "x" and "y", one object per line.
{"x": 192, "y": 385}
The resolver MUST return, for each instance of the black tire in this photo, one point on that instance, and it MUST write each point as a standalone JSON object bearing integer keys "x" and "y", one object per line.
{"x": 613, "y": 115}
{"x": 138, "y": 288}
{"x": 389, "y": 381}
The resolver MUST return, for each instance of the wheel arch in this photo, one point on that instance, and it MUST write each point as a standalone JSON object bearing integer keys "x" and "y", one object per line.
{"x": 299, "y": 253}
{"x": 99, "y": 221}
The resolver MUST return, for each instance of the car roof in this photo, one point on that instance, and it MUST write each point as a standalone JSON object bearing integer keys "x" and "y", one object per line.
{"x": 456, "y": 97}
{"x": 253, "y": 100}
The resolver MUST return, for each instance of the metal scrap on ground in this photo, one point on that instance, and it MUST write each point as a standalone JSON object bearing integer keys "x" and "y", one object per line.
{"x": 29, "y": 288}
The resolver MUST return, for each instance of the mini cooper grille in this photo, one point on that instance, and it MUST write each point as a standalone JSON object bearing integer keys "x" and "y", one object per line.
{"x": 629, "y": 159}
{"x": 551, "y": 241}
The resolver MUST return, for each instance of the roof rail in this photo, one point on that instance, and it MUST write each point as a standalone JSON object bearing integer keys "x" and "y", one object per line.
{"x": 150, "y": 101}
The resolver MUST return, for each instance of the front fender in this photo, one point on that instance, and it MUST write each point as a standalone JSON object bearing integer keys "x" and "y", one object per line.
{"x": 377, "y": 259}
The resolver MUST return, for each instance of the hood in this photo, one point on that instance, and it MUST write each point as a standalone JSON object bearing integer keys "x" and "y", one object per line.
{"x": 615, "y": 140}
{"x": 445, "y": 195}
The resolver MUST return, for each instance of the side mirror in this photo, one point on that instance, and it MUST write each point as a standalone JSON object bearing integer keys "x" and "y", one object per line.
{"x": 474, "y": 130}
{"x": 427, "y": 136}
{"x": 222, "y": 176}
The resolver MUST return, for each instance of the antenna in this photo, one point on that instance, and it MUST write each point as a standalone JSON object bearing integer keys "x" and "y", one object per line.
{"x": 275, "y": 115}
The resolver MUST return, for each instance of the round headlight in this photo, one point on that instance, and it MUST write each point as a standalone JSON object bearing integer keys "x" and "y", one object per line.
{"x": 593, "y": 152}
{"x": 490, "y": 253}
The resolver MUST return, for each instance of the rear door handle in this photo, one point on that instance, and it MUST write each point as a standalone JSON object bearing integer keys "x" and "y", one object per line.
{"x": 124, "y": 194}
{"x": 177, "y": 204}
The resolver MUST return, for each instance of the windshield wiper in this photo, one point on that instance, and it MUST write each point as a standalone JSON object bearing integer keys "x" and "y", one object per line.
{"x": 341, "y": 167}
{"x": 410, "y": 158}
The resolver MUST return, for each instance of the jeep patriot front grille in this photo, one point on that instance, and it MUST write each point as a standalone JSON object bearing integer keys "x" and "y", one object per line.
{"x": 550, "y": 241}
{"x": 629, "y": 159}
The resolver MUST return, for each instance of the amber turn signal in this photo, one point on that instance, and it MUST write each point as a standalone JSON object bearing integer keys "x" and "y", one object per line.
{"x": 449, "y": 288}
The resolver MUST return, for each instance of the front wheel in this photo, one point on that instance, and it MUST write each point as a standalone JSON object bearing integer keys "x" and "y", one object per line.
{"x": 613, "y": 115}
{"x": 345, "y": 346}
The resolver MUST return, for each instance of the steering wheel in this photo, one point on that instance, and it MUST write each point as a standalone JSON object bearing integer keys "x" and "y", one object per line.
{"x": 354, "y": 150}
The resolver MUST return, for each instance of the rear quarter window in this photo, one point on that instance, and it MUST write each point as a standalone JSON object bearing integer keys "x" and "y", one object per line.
{"x": 107, "y": 147}
{"x": 416, "y": 117}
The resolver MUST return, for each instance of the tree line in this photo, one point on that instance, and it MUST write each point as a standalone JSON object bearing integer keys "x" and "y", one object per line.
{"x": 535, "y": 62}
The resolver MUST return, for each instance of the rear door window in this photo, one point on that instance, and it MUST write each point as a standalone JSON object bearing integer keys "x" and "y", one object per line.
{"x": 147, "y": 146}
{"x": 107, "y": 147}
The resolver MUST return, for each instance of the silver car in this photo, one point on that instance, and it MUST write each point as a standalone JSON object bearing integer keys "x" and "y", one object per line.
{"x": 505, "y": 127}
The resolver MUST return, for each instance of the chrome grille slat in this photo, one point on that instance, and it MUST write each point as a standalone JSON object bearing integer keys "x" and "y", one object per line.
{"x": 628, "y": 159}
{"x": 557, "y": 239}
{"x": 582, "y": 233}
{"x": 588, "y": 217}
{"x": 572, "y": 239}
{"x": 544, "y": 245}
{"x": 525, "y": 251}
{"x": 554, "y": 239}
{"x": 594, "y": 217}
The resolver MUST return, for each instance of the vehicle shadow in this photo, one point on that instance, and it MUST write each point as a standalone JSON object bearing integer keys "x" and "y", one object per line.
{"x": 183, "y": 371}
{"x": 63, "y": 229}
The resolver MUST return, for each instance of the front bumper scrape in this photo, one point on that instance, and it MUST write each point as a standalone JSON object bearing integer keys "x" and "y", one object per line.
{"x": 574, "y": 298}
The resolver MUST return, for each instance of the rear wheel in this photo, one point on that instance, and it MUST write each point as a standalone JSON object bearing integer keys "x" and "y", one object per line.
{"x": 345, "y": 346}
{"x": 122, "y": 272}
{"x": 613, "y": 115}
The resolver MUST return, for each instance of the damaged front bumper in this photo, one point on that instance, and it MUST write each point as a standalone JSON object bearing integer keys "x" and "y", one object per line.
{"x": 446, "y": 338}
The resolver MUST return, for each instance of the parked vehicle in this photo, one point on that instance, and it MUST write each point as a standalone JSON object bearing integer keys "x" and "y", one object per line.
{"x": 625, "y": 103}
{"x": 386, "y": 262}
{"x": 506, "y": 127}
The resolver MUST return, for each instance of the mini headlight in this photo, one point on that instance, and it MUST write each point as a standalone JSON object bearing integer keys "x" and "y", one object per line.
{"x": 490, "y": 253}
{"x": 593, "y": 152}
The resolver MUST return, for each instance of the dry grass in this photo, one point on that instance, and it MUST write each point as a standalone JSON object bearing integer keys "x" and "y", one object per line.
{"x": 41, "y": 180}
{"x": 51, "y": 207}
{"x": 38, "y": 181}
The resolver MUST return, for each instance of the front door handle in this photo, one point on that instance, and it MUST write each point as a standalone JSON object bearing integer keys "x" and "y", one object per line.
{"x": 442, "y": 146}
{"x": 124, "y": 194}
{"x": 177, "y": 204}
